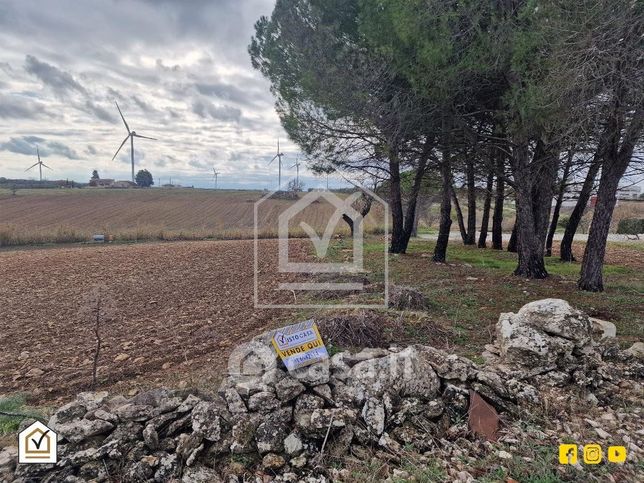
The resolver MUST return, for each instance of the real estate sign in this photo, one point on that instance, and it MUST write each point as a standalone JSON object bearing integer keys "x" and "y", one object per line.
{"x": 299, "y": 345}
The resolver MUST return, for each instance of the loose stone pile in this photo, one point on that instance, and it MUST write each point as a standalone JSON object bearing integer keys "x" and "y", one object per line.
{"x": 289, "y": 426}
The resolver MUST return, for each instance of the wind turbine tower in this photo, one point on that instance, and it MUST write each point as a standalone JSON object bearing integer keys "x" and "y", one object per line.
{"x": 130, "y": 135}
{"x": 40, "y": 164}
{"x": 278, "y": 156}
{"x": 297, "y": 175}
{"x": 214, "y": 175}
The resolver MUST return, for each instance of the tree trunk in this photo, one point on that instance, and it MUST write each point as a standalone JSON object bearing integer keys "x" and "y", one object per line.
{"x": 512, "y": 243}
{"x": 410, "y": 214}
{"x": 544, "y": 170}
{"x": 440, "y": 250}
{"x": 532, "y": 188}
{"x": 499, "y": 198}
{"x": 560, "y": 195}
{"x": 470, "y": 238}
{"x": 414, "y": 228}
{"x": 565, "y": 252}
{"x": 459, "y": 216}
{"x": 349, "y": 222}
{"x": 613, "y": 168}
{"x": 486, "y": 211}
{"x": 398, "y": 244}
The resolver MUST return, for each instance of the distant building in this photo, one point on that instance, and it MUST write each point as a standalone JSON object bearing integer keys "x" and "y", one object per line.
{"x": 629, "y": 193}
{"x": 101, "y": 183}
{"x": 123, "y": 184}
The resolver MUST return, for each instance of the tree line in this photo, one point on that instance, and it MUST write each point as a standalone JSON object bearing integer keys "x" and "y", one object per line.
{"x": 520, "y": 97}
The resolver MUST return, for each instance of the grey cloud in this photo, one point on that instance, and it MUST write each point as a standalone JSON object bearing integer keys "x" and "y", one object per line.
{"x": 195, "y": 163}
{"x": 225, "y": 92}
{"x": 144, "y": 106}
{"x": 204, "y": 108}
{"x": 60, "y": 81}
{"x": 100, "y": 112}
{"x": 19, "y": 107}
{"x": 91, "y": 150}
{"x": 54, "y": 147}
{"x": 27, "y": 145}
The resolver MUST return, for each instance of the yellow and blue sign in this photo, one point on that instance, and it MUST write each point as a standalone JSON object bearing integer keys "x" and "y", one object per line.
{"x": 299, "y": 345}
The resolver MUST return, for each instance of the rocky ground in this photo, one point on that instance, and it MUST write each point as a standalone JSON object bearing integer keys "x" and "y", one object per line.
{"x": 411, "y": 413}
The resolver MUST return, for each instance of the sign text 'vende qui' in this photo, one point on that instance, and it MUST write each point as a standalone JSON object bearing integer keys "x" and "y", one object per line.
{"x": 299, "y": 345}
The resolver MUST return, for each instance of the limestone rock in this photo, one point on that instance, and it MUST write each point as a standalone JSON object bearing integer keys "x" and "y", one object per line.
{"x": 293, "y": 444}
{"x": 263, "y": 402}
{"x": 235, "y": 402}
{"x": 243, "y": 433}
{"x": 541, "y": 333}
{"x": 136, "y": 412}
{"x": 636, "y": 350}
{"x": 166, "y": 468}
{"x": 448, "y": 366}
{"x": 8, "y": 460}
{"x": 206, "y": 420}
{"x": 272, "y": 431}
{"x": 315, "y": 374}
{"x": 603, "y": 328}
{"x": 80, "y": 429}
{"x": 273, "y": 461}
{"x": 407, "y": 373}
{"x": 151, "y": 437}
{"x": 373, "y": 413}
{"x": 288, "y": 388}
{"x": 200, "y": 474}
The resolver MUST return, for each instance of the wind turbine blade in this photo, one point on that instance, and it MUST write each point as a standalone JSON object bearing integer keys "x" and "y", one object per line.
{"x": 38, "y": 153}
{"x": 126, "y": 126}
{"x": 32, "y": 166}
{"x": 274, "y": 157}
{"x": 117, "y": 151}
{"x": 144, "y": 137}
{"x": 46, "y": 166}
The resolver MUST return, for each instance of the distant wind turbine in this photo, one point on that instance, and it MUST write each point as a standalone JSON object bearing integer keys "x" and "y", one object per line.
{"x": 297, "y": 175}
{"x": 130, "y": 135}
{"x": 278, "y": 156}
{"x": 215, "y": 174}
{"x": 40, "y": 164}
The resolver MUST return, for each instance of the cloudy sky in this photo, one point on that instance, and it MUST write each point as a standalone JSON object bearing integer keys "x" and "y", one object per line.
{"x": 179, "y": 70}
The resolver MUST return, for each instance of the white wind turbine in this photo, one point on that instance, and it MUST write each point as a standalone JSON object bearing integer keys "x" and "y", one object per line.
{"x": 214, "y": 176}
{"x": 130, "y": 135}
{"x": 297, "y": 175}
{"x": 278, "y": 156}
{"x": 40, "y": 164}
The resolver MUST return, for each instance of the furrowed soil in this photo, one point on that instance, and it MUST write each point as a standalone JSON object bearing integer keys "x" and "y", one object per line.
{"x": 179, "y": 308}
{"x": 34, "y": 217}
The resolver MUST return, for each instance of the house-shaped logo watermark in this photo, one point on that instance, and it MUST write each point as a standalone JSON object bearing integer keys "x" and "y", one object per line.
{"x": 341, "y": 207}
{"x": 37, "y": 444}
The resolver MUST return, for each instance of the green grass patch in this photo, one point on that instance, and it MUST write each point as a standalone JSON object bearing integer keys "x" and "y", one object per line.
{"x": 14, "y": 404}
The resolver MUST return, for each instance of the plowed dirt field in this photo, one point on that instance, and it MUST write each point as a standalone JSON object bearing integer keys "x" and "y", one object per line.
{"x": 179, "y": 309}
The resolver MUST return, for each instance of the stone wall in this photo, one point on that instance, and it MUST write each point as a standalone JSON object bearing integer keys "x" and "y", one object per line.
{"x": 290, "y": 426}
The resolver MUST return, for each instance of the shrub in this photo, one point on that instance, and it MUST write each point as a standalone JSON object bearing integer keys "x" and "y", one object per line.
{"x": 631, "y": 226}
{"x": 563, "y": 221}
